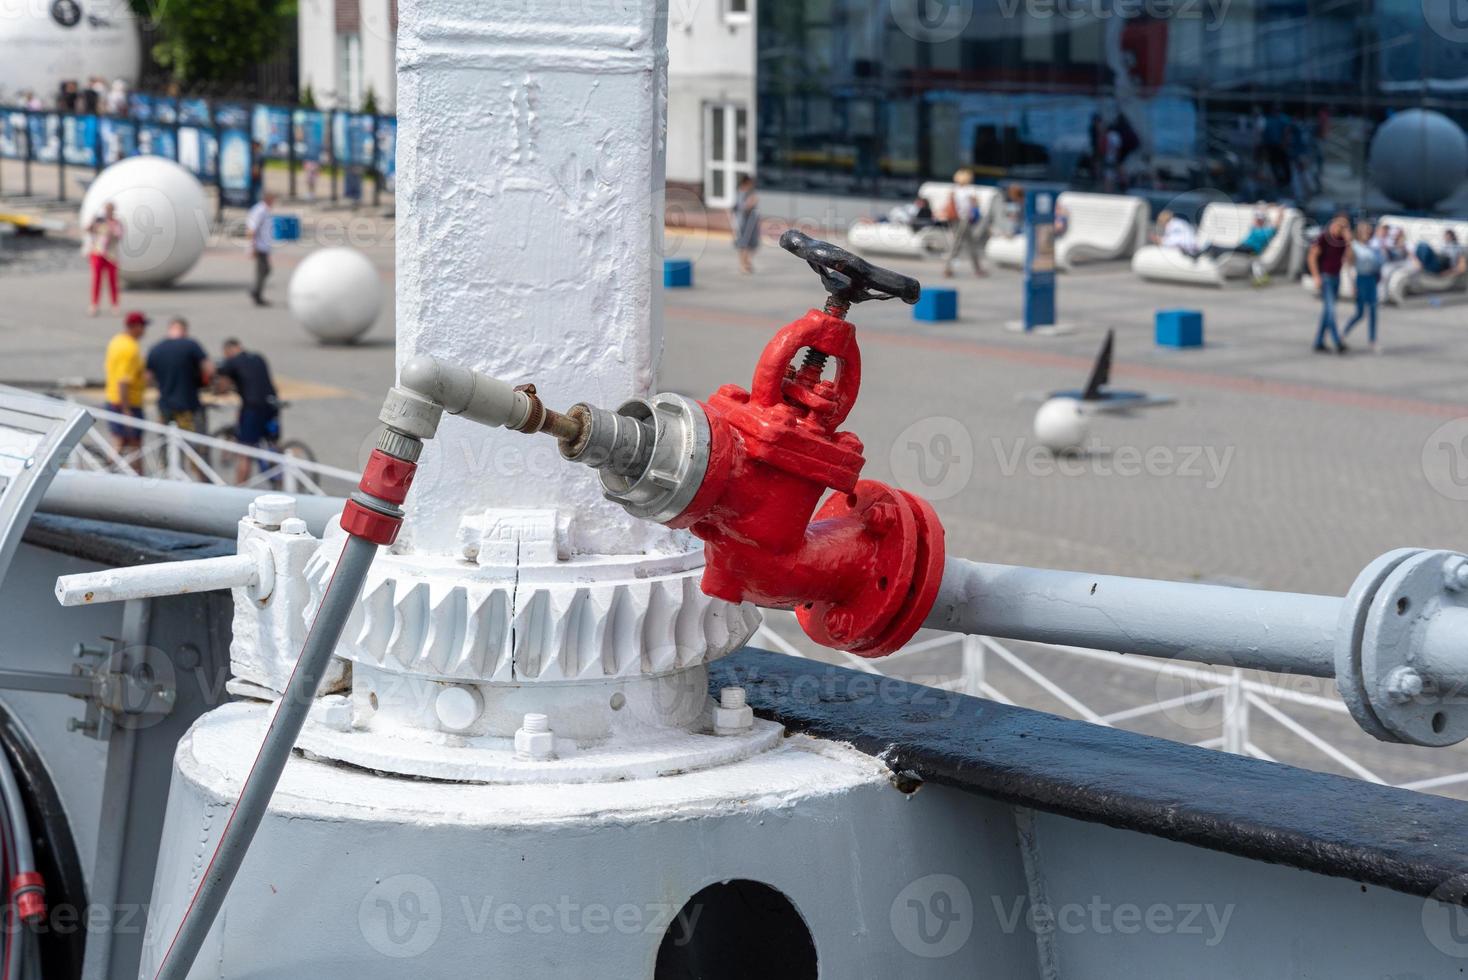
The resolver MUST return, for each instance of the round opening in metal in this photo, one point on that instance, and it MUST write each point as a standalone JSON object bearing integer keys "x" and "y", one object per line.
{"x": 735, "y": 930}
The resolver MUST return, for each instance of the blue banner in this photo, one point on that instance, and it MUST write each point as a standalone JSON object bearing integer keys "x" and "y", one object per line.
{"x": 79, "y": 140}
{"x": 45, "y": 129}
{"x": 195, "y": 112}
{"x": 310, "y": 136}
{"x": 235, "y": 154}
{"x": 198, "y": 152}
{"x": 1039, "y": 259}
{"x": 158, "y": 141}
{"x": 13, "y": 135}
{"x": 387, "y": 148}
{"x": 119, "y": 140}
{"x": 271, "y": 126}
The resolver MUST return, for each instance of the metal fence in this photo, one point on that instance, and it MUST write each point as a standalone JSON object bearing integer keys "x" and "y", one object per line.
{"x": 172, "y": 453}
{"x": 218, "y": 140}
{"x": 1239, "y": 697}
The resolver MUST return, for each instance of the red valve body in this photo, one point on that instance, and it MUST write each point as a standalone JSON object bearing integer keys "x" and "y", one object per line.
{"x": 863, "y": 574}
{"x": 29, "y": 891}
{"x": 386, "y": 478}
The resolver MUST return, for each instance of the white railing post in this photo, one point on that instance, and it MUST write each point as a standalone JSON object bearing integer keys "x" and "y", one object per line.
{"x": 1235, "y": 714}
{"x": 973, "y": 666}
{"x": 171, "y": 453}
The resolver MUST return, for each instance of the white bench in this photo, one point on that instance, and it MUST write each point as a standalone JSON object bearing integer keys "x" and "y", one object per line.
{"x": 1226, "y": 225}
{"x": 897, "y": 238}
{"x": 1099, "y": 227}
{"x": 1403, "y": 279}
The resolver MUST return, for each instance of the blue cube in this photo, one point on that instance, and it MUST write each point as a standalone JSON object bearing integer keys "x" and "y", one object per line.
{"x": 287, "y": 228}
{"x": 677, "y": 273}
{"x": 936, "y": 304}
{"x": 1179, "y": 328}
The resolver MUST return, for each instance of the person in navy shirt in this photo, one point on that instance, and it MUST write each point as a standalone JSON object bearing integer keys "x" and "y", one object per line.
{"x": 180, "y": 367}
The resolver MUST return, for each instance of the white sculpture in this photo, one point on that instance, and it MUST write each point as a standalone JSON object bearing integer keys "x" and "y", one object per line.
{"x": 336, "y": 294}
{"x": 164, "y": 213}
{"x": 1060, "y": 425}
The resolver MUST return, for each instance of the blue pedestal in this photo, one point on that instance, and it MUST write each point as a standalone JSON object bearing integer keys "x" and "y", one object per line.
{"x": 1179, "y": 328}
{"x": 936, "y": 305}
{"x": 677, "y": 273}
{"x": 287, "y": 228}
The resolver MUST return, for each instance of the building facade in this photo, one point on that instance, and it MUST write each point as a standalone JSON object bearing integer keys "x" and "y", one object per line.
{"x": 711, "y": 96}
{"x": 1251, "y": 98}
{"x": 348, "y": 53}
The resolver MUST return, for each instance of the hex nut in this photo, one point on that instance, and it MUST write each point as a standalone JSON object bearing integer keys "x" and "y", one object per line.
{"x": 534, "y": 741}
{"x": 731, "y": 715}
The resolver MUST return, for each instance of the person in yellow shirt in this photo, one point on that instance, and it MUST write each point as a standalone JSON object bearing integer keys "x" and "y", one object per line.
{"x": 126, "y": 379}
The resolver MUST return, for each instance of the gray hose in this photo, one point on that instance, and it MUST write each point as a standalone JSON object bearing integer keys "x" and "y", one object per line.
{"x": 275, "y": 751}
{"x": 18, "y": 844}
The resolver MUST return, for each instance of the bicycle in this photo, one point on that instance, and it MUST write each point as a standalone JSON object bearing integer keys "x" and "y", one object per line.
{"x": 227, "y": 460}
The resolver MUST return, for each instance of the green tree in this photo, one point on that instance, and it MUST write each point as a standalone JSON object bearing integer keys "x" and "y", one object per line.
{"x": 203, "y": 41}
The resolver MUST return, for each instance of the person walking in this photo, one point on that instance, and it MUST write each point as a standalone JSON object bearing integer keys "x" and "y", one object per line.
{"x": 103, "y": 239}
{"x": 260, "y": 225}
{"x": 126, "y": 379}
{"x": 1330, "y": 253}
{"x": 180, "y": 367}
{"x": 1369, "y": 259}
{"x": 967, "y": 225}
{"x": 249, "y": 374}
{"x": 746, "y": 224}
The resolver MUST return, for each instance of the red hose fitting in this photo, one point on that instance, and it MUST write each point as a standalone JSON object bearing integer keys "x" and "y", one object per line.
{"x": 28, "y": 891}
{"x": 385, "y": 478}
{"x": 863, "y": 572}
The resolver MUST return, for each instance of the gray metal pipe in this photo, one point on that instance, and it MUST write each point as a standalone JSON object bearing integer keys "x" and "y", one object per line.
{"x": 177, "y": 505}
{"x": 275, "y": 751}
{"x": 461, "y": 391}
{"x": 1214, "y": 624}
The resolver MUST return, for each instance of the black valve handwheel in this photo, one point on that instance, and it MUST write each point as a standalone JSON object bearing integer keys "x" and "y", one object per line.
{"x": 849, "y": 278}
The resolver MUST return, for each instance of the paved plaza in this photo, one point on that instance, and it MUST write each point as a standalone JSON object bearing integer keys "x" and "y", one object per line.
{"x": 1276, "y": 467}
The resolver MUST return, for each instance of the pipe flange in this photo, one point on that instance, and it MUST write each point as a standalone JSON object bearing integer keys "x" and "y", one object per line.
{"x": 680, "y": 458}
{"x": 1403, "y": 696}
{"x": 1349, "y": 678}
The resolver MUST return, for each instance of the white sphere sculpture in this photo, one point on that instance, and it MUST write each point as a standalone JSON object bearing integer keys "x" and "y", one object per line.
{"x": 1419, "y": 157}
{"x": 66, "y": 40}
{"x": 164, "y": 214}
{"x": 1060, "y": 425}
{"x": 336, "y": 294}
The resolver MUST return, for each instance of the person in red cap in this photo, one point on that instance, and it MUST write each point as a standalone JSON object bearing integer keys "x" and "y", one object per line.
{"x": 126, "y": 378}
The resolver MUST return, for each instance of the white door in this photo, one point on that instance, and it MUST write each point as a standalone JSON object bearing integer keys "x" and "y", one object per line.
{"x": 725, "y": 152}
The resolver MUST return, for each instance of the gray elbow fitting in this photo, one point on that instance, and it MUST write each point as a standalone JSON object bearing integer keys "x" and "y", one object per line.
{"x": 460, "y": 391}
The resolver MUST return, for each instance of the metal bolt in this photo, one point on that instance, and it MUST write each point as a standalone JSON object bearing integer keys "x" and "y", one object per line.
{"x": 293, "y": 525}
{"x": 1455, "y": 573}
{"x": 77, "y": 725}
{"x": 270, "y": 509}
{"x": 1403, "y": 684}
{"x": 732, "y": 715}
{"x": 458, "y": 708}
{"x": 535, "y": 742}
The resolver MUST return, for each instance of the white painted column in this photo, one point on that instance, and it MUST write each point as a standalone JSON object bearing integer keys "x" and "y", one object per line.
{"x": 379, "y": 53}
{"x": 316, "y": 20}
{"x": 530, "y": 157}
